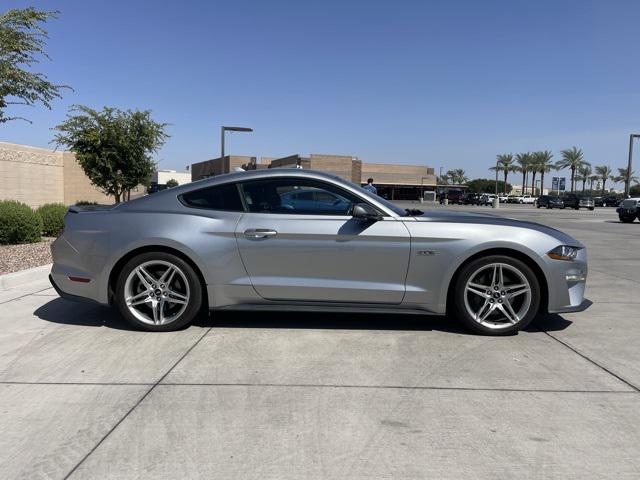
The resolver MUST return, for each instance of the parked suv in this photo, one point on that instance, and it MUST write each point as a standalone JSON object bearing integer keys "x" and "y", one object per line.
{"x": 628, "y": 210}
{"x": 549, "y": 201}
{"x": 471, "y": 199}
{"x": 576, "y": 202}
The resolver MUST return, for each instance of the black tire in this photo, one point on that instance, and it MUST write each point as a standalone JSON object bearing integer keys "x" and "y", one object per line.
{"x": 625, "y": 219}
{"x": 591, "y": 208}
{"x": 458, "y": 299}
{"x": 538, "y": 206}
{"x": 194, "y": 304}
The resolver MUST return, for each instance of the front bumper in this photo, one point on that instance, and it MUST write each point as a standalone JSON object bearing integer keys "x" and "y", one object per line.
{"x": 567, "y": 281}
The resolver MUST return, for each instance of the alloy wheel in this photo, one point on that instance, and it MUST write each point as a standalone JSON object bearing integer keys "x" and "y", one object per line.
{"x": 156, "y": 292}
{"x": 497, "y": 296}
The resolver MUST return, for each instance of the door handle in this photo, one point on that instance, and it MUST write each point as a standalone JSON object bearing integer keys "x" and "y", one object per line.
{"x": 259, "y": 233}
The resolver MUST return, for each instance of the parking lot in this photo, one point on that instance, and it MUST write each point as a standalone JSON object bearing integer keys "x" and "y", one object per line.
{"x": 291, "y": 396}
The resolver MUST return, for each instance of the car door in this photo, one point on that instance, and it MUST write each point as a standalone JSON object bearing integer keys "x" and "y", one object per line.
{"x": 295, "y": 251}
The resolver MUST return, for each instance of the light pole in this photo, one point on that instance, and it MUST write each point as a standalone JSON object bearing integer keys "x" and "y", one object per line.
{"x": 230, "y": 129}
{"x": 627, "y": 183}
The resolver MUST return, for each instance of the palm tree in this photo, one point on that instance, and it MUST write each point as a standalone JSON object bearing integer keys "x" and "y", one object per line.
{"x": 572, "y": 159}
{"x": 524, "y": 160}
{"x": 584, "y": 171}
{"x": 545, "y": 165}
{"x": 460, "y": 176}
{"x": 533, "y": 166}
{"x": 592, "y": 178}
{"x": 604, "y": 173}
{"x": 457, "y": 176}
{"x": 506, "y": 164}
{"x": 624, "y": 177}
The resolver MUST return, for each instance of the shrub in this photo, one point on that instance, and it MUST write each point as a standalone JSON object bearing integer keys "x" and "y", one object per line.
{"x": 83, "y": 203}
{"x": 19, "y": 223}
{"x": 52, "y": 215}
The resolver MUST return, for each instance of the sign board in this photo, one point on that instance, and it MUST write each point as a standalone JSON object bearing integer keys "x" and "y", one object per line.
{"x": 559, "y": 184}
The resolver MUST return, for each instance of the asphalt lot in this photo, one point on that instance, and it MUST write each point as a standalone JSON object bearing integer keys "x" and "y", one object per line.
{"x": 284, "y": 396}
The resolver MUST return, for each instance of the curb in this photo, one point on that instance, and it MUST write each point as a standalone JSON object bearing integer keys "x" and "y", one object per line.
{"x": 24, "y": 277}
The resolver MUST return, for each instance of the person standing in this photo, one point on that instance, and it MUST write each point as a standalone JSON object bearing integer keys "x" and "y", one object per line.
{"x": 369, "y": 186}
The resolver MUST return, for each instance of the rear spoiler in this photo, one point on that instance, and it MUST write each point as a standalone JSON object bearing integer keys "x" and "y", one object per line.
{"x": 90, "y": 208}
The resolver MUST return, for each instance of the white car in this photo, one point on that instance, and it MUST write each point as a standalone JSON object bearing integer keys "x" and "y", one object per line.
{"x": 527, "y": 199}
{"x": 503, "y": 198}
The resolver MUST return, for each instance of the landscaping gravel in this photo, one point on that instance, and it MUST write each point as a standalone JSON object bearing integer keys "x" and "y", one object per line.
{"x": 26, "y": 255}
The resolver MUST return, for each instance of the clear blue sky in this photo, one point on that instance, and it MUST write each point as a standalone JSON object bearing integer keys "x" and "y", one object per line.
{"x": 442, "y": 83}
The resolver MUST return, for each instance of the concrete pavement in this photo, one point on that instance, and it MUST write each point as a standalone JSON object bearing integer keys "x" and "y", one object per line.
{"x": 330, "y": 396}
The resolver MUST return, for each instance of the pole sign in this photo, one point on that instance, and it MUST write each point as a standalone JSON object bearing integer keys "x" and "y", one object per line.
{"x": 558, "y": 184}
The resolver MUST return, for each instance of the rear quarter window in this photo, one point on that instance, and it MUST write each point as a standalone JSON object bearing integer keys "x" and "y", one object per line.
{"x": 219, "y": 197}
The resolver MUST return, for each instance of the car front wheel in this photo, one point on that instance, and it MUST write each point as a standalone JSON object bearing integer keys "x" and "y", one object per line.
{"x": 496, "y": 295}
{"x": 158, "y": 291}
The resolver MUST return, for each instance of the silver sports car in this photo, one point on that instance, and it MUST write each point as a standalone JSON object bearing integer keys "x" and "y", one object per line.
{"x": 299, "y": 239}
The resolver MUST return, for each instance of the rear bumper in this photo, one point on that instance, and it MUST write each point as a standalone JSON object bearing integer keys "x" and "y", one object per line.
{"x": 70, "y": 296}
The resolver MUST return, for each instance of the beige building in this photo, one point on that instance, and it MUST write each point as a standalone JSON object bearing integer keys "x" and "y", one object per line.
{"x": 36, "y": 176}
{"x": 393, "y": 181}
{"x": 161, "y": 177}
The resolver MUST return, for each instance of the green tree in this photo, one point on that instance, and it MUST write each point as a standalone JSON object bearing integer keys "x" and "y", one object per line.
{"x": 592, "y": 178}
{"x": 112, "y": 146}
{"x": 604, "y": 174}
{"x": 572, "y": 159}
{"x": 485, "y": 185}
{"x": 635, "y": 191}
{"x": 584, "y": 172}
{"x": 172, "y": 182}
{"x": 524, "y": 162}
{"x": 22, "y": 43}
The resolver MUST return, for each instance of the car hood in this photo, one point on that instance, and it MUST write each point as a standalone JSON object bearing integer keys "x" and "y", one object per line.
{"x": 488, "y": 219}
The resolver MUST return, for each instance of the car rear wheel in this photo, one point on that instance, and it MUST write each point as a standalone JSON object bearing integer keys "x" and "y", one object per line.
{"x": 626, "y": 219}
{"x": 496, "y": 295}
{"x": 158, "y": 291}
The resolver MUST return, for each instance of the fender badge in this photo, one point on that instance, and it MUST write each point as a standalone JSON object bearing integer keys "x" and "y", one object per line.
{"x": 425, "y": 253}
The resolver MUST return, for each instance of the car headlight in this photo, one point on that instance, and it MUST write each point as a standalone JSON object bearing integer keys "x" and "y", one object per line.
{"x": 564, "y": 252}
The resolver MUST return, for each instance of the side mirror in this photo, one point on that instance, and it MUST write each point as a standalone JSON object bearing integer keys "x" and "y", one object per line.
{"x": 364, "y": 211}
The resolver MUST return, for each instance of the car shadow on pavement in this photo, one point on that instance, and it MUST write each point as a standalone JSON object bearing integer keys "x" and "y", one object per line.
{"x": 359, "y": 321}
{"x": 66, "y": 312}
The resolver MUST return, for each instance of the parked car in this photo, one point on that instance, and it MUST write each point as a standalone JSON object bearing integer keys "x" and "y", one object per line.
{"x": 598, "y": 201}
{"x": 454, "y": 197}
{"x": 527, "y": 199}
{"x": 513, "y": 199}
{"x": 502, "y": 198}
{"x": 549, "y": 201}
{"x": 629, "y": 210}
{"x": 572, "y": 200}
{"x": 230, "y": 243}
{"x": 487, "y": 199}
{"x": 471, "y": 199}
{"x": 611, "y": 201}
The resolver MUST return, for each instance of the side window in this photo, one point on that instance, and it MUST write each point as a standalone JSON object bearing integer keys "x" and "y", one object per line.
{"x": 297, "y": 196}
{"x": 221, "y": 197}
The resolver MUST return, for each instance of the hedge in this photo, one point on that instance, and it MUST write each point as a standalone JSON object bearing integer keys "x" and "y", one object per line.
{"x": 52, "y": 215}
{"x": 18, "y": 223}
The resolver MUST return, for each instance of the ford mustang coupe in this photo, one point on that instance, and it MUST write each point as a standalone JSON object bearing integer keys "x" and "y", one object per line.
{"x": 300, "y": 239}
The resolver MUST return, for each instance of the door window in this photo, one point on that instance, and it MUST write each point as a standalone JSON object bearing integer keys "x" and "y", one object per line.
{"x": 297, "y": 196}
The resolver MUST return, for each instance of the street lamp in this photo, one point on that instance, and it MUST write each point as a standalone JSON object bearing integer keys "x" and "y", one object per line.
{"x": 230, "y": 129}
{"x": 627, "y": 183}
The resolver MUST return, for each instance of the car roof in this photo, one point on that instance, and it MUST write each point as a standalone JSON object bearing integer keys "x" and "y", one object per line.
{"x": 169, "y": 195}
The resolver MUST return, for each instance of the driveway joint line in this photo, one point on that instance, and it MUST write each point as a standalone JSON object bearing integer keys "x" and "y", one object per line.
{"x": 602, "y": 367}
{"x": 22, "y": 296}
{"x": 140, "y": 400}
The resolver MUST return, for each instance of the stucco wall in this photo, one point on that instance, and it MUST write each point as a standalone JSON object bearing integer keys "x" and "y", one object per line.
{"x": 37, "y": 175}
